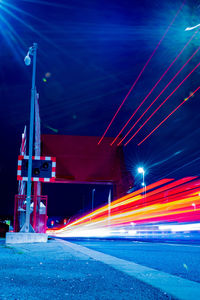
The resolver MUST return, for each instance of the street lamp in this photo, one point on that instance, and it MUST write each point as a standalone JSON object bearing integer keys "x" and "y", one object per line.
{"x": 31, "y": 52}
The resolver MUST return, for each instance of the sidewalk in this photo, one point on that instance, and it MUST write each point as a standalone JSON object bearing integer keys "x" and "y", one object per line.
{"x": 54, "y": 271}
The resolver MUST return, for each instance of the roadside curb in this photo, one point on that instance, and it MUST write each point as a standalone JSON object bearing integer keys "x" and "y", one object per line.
{"x": 177, "y": 287}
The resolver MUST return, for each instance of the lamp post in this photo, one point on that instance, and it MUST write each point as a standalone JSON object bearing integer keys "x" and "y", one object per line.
{"x": 109, "y": 206}
{"x": 93, "y": 191}
{"x": 33, "y": 52}
{"x": 141, "y": 171}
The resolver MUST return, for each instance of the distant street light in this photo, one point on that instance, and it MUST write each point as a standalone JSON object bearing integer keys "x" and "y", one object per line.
{"x": 140, "y": 170}
{"x": 33, "y": 52}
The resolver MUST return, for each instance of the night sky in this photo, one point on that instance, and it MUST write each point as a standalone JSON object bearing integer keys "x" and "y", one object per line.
{"x": 89, "y": 55}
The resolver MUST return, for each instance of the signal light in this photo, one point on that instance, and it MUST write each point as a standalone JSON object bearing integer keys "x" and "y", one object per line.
{"x": 36, "y": 171}
{"x": 43, "y": 168}
{"x": 45, "y": 165}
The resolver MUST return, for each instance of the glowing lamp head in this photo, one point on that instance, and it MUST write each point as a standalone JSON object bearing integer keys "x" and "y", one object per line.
{"x": 140, "y": 170}
{"x": 27, "y": 60}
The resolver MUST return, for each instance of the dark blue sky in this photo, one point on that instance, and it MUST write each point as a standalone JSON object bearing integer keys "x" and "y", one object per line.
{"x": 94, "y": 51}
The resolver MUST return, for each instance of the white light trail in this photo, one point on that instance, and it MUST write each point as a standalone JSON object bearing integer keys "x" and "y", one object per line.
{"x": 191, "y": 28}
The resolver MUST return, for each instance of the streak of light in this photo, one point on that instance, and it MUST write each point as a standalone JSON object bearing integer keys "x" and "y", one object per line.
{"x": 158, "y": 95}
{"x": 175, "y": 207}
{"x": 165, "y": 160}
{"x": 162, "y": 103}
{"x": 38, "y": 33}
{"x": 51, "y": 128}
{"x": 19, "y": 20}
{"x": 121, "y": 200}
{"x": 25, "y": 13}
{"x": 185, "y": 165}
{"x": 180, "y": 227}
{"x": 49, "y": 3}
{"x": 191, "y": 28}
{"x": 146, "y": 64}
{"x": 11, "y": 30}
{"x": 147, "y": 96}
{"x": 168, "y": 116}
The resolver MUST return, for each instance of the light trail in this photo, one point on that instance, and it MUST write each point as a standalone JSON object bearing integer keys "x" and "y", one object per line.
{"x": 147, "y": 96}
{"x": 174, "y": 207}
{"x": 162, "y": 104}
{"x": 121, "y": 200}
{"x": 191, "y": 28}
{"x": 158, "y": 96}
{"x": 146, "y": 64}
{"x": 168, "y": 116}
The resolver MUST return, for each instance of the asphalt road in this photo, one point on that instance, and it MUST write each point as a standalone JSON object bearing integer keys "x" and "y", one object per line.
{"x": 176, "y": 259}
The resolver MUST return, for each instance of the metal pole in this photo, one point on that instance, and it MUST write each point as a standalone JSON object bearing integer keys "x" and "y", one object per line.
{"x": 27, "y": 227}
{"x": 144, "y": 186}
{"x": 109, "y": 202}
{"x": 37, "y": 185}
{"x": 93, "y": 199}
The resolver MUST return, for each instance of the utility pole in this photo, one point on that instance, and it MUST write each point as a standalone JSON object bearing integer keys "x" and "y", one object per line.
{"x": 32, "y": 51}
{"x": 93, "y": 191}
{"x": 109, "y": 202}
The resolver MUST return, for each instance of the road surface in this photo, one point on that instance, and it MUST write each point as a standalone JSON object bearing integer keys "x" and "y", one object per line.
{"x": 177, "y": 259}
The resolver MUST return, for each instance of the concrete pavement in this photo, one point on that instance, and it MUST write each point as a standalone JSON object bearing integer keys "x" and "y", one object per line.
{"x": 53, "y": 270}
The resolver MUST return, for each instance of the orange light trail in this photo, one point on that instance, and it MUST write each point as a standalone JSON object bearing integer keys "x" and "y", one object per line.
{"x": 172, "y": 204}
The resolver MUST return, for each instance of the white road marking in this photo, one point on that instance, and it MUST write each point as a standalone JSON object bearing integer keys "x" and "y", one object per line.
{"x": 178, "y": 287}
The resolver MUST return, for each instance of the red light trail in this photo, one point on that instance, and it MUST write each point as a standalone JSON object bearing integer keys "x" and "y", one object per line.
{"x": 167, "y": 206}
{"x": 158, "y": 96}
{"x": 166, "y": 71}
{"x": 162, "y": 104}
{"x": 168, "y": 116}
{"x": 146, "y": 64}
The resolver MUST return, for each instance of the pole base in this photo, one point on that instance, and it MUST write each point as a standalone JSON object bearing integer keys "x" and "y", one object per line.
{"x": 27, "y": 229}
{"x": 21, "y": 237}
